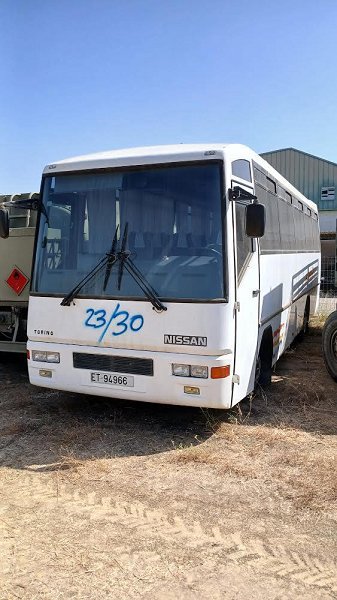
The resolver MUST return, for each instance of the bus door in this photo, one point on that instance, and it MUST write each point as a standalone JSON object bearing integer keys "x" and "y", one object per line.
{"x": 247, "y": 303}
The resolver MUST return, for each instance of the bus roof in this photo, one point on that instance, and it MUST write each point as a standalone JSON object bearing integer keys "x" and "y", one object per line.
{"x": 139, "y": 156}
{"x": 168, "y": 154}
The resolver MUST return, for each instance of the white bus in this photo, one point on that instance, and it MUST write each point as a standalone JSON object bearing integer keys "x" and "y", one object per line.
{"x": 146, "y": 285}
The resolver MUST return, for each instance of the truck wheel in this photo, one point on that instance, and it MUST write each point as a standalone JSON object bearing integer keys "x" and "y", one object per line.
{"x": 329, "y": 344}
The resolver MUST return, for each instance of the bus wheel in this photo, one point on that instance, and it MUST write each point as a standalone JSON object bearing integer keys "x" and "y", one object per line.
{"x": 329, "y": 343}
{"x": 263, "y": 369}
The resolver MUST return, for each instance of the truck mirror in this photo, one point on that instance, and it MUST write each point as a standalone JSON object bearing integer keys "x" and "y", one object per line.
{"x": 4, "y": 223}
{"x": 255, "y": 220}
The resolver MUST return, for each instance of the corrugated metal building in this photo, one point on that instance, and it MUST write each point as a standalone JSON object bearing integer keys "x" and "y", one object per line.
{"x": 316, "y": 178}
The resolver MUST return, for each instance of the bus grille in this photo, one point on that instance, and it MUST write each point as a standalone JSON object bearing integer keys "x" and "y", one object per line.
{"x": 115, "y": 364}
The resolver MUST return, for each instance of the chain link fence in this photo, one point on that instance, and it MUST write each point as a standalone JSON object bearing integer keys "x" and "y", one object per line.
{"x": 328, "y": 287}
{"x": 328, "y": 295}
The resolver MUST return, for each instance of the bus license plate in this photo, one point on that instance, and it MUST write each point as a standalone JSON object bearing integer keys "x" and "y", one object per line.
{"x": 112, "y": 379}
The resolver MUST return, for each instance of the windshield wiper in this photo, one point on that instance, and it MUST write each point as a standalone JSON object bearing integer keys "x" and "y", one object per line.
{"x": 108, "y": 260}
{"x": 123, "y": 256}
{"x": 147, "y": 288}
{"x": 111, "y": 260}
{"x": 125, "y": 261}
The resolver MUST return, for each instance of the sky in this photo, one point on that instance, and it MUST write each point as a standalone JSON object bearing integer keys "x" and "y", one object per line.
{"x": 82, "y": 76}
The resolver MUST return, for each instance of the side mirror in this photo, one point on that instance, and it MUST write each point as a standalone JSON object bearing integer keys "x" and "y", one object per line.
{"x": 255, "y": 220}
{"x": 4, "y": 223}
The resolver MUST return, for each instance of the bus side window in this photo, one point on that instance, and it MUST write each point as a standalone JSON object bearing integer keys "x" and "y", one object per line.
{"x": 241, "y": 168}
{"x": 287, "y": 225}
{"x": 300, "y": 243}
{"x": 243, "y": 242}
{"x": 271, "y": 240}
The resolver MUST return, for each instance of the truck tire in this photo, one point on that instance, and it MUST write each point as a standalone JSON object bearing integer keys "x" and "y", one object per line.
{"x": 329, "y": 344}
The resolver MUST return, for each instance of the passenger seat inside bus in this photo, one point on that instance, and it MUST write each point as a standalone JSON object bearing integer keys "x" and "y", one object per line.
{"x": 150, "y": 219}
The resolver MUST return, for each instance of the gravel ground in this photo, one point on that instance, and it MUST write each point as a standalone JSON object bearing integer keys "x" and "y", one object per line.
{"x": 119, "y": 500}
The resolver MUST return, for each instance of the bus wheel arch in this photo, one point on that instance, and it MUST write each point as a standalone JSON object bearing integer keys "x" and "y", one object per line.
{"x": 305, "y": 324}
{"x": 306, "y": 316}
{"x": 264, "y": 359}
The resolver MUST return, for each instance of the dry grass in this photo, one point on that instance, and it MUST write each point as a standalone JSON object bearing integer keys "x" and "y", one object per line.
{"x": 120, "y": 495}
{"x": 13, "y": 429}
{"x": 286, "y": 435}
{"x": 195, "y": 454}
{"x": 311, "y": 480}
{"x": 304, "y": 469}
{"x": 317, "y": 322}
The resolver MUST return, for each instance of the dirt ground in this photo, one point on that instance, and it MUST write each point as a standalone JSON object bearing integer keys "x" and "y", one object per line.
{"x": 122, "y": 500}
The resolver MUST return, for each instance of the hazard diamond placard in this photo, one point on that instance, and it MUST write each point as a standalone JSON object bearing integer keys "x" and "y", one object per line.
{"x": 17, "y": 281}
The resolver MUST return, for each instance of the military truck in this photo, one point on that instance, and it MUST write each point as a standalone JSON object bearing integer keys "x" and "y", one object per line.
{"x": 16, "y": 254}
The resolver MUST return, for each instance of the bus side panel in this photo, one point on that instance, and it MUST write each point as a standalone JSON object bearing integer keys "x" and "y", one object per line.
{"x": 287, "y": 280}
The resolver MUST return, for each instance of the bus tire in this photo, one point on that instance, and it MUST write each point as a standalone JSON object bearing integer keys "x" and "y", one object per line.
{"x": 329, "y": 344}
{"x": 263, "y": 370}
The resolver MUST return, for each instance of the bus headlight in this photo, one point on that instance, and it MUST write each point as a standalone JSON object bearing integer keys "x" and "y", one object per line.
{"x": 53, "y": 357}
{"x": 199, "y": 371}
{"x": 181, "y": 370}
{"x": 189, "y": 370}
{"x": 43, "y": 356}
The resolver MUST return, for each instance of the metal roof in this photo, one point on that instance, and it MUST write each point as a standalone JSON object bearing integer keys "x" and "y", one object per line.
{"x": 308, "y": 173}
{"x": 330, "y": 162}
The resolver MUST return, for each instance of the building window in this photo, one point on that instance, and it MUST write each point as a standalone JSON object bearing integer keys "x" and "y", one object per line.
{"x": 328, "y": 193}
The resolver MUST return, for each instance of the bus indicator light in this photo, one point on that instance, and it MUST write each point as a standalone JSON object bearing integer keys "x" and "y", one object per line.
{"x": 189, "y": 389}
{"x": 220, "y": 372}
{"x": 45, "y": 373}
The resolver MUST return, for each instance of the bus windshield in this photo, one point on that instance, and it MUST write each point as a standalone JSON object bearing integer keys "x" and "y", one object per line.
{"x": 174, "y": 223}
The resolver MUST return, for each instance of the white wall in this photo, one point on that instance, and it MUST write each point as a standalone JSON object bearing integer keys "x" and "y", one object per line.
{"x": 327, "y": 220}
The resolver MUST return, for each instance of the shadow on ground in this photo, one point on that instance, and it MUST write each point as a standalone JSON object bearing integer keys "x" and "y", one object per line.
{"x": 41, "y": 427}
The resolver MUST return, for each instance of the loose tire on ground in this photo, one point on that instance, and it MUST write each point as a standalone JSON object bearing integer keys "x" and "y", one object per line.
{"x": 329, "y": 344}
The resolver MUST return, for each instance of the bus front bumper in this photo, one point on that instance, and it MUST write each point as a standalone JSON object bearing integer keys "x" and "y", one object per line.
{"x": 88, "y": 377}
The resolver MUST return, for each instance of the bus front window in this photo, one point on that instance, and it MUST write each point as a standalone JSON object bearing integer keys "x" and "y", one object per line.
{"x": 173, "y": 217}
